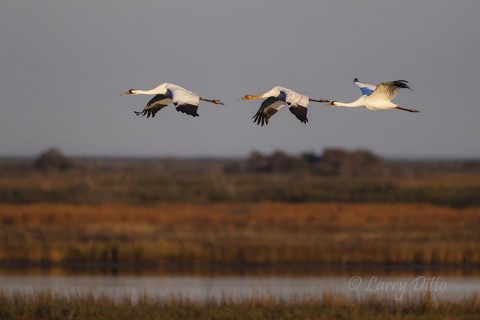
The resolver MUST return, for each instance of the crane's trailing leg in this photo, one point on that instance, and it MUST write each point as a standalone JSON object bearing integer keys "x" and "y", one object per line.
{"x": 319, "y": 100}
{"x": 405, "y": 109}
{"x": 214, "y": 101}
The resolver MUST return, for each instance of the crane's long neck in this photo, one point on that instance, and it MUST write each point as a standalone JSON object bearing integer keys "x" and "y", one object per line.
{"x": 161, "y": 89}
{"x": 357, "y": 103}
{"x": 151, "y": 91}
{"x": 274, "y": 92}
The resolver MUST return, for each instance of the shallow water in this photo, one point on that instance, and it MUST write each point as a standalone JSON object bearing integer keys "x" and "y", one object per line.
{"x": 237, "y": 288}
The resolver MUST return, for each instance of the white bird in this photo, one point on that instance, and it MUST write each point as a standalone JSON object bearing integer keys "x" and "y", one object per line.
{"x": 185, "y": 101}
{"x": 379, "y": 99}
{"x": 278, "y": 97}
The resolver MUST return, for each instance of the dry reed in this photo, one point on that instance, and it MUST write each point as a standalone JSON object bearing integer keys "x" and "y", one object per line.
{"x": 46, "y": 305}
{"x": 262, "y": 233}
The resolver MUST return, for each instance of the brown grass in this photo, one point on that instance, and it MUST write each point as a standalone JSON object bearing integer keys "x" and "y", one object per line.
{"x": 143, "y": 182}
{"x": 263, "y": 233}
{"x": 46, "y": 305}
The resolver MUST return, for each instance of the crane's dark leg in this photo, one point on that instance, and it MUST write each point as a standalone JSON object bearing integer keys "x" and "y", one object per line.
{"x": 214, "y": 101}
{"x": 319, "y": 100}
{"x": 405, "y": 109}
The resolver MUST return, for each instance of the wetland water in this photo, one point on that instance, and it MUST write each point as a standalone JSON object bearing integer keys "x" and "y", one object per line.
{"x": 237, "y": 288}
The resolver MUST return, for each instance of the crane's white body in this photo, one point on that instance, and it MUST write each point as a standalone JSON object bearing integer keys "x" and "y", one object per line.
{"x": 369, "y": 103}
{"x": 179, "y": 95}
{"x": 291, "y": 97}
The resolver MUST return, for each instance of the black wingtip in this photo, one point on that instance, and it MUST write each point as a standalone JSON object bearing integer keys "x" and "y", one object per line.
{"x": 144, "y": 113}
{"x": 260, "y": 120}
{"x": 402, "y": 84}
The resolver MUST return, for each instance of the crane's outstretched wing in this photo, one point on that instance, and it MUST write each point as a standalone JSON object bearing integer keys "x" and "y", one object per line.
{"x": 184, "y": 100}
{"x": 300, "y": 112}
{"x": 189, "y": 109}
{"x": 268, "y": 108}
{"x": 367, "y": 89}
{"x": 154, "y": 105}
{"x": 388, "y": 90}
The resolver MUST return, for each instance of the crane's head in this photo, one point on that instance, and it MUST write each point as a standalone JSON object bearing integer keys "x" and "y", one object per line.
{"x": 330, "y": 104}
{"x": 216, "y": 101}
{"x": 251, "y": 97}
{"x": 129, "y": 92}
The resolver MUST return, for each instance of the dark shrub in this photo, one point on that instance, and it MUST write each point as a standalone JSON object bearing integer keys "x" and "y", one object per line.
{"x": 53, "y": 159}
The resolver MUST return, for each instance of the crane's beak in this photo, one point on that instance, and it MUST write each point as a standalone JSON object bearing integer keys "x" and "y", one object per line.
{"x": 127, "y": 93}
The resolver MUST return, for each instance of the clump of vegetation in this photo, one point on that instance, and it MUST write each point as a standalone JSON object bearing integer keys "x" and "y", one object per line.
{"x": 339, "y": 162}
{"x": 53, "y": 159}
{"x": 334, "y": 162}
{"x": 46, "y": 305}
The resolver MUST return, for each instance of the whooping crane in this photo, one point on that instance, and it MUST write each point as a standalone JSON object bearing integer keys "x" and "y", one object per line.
{"x": 277, "y": 97}
{"x": 381, "y": 97}
{"x": 185, "y": 101}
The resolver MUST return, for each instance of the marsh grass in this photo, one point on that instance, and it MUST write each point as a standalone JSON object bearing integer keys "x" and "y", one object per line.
{"x": 189, "y": 235}
{"x": 46, "y": 305}
{"x": 154, "y": 181}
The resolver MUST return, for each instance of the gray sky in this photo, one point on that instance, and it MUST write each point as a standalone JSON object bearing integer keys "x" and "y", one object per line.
{"x": 63, "y": 65}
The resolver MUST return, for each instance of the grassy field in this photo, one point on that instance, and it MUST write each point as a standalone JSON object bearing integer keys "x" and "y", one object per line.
{"x": 196, "y": 217}
{"x": 185, "y": 213}
{"x": 229, "y": 234}
{"x": 155, "y": 181}
{"x": 49, "y": 306}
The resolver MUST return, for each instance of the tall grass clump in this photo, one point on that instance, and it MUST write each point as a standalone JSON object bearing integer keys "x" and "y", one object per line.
{"x": 46, "y": 305}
